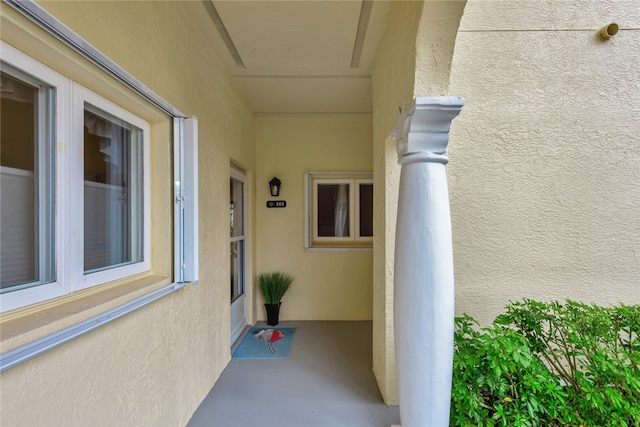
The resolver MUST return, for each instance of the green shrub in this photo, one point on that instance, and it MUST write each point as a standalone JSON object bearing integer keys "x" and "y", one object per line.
{"x": 594, "y": 350}
{"x": 273, "y": 286}
{"x": 551, "y": 364}
{"x": 497, "y": 381}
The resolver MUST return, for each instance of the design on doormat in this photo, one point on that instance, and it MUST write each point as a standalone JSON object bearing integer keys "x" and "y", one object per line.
{"x": 265, "y": 343}
{"x": 269, "y": 336}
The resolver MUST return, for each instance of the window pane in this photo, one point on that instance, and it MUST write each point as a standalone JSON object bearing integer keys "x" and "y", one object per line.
{"x": 26, "y": 181}
{"x": 333, "y": 210}
{"x": 236, "y": 207}
{"x": 366, "y": 210}
{"x": 113, "y": 191}
{"x": 237, "y": 269}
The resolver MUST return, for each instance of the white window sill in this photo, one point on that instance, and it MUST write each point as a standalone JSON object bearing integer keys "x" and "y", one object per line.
{"x": 337, "y": 249}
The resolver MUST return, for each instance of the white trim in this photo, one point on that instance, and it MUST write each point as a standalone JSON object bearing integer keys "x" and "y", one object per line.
{"x": 186, "y": 216}
{"x": 69, "y": 102}
{"x": 62, "y": 86}
{"x": 311, "y": 239}
{"x": 191, "y": 188}
{"x": 178, "y": 212}
{"x": 338, "y": 249}
{"x": 23, "y": 297}
{"x": 337, "y": 174}
{"x": 238, "y": 308}
{"x": 69, "y": 182}
{"x": 307, "y": 211}
{"x": 7, "y": 170}
{"x": 46, "y": 21}
{"x": 80, "y": 280}
{"x": 238, "y": 316}
{"x": 49, "y": 23}
{"x": 238, "y": 174}
{"x": 329, "y": 181}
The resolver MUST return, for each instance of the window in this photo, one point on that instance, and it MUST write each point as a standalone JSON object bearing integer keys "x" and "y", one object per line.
{"x": 112, "y": 188}
{"x": 237, "y": 233}
{"x": 75, "y": 186}
{"x": 112, "y": 176}
{"x": 27, "y": 228}
{"x": 340, "y": 210}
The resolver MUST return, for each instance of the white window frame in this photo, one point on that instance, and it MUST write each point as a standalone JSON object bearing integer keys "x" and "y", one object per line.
{"x": 185, "y": 172}
{"x": 69, "y": 179}
{"x": 62, "y": 91}
{"x": 241, "y": 177}
{"x": 352, "y": 242}
{"x": 75, "y": 161}
{"x": 185, "y": 193}
{"x": 42, "y": 176}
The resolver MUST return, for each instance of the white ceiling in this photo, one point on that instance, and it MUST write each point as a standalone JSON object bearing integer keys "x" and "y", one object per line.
{"x": 300, "y": 56}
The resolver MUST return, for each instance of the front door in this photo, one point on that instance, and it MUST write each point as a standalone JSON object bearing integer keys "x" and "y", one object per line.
{"x": 237, "y": 253}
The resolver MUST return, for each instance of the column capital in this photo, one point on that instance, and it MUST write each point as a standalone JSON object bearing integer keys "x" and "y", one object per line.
{"x": 424, "y": 127}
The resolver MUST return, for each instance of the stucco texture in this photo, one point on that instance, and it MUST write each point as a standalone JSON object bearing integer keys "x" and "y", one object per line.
{"x": 544, "y": 183}
{"x": 154, "y": 366}
{"x": 328, "y": 285}
{"x": 393, "y": 74}
{"x": 545, "y": 157}
{"x": 413, "y": 59}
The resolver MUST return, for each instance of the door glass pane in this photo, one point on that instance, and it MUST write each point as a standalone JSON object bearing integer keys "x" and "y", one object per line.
{"x": 236, "y": 219}
{"x": 113, "y": 191}
{"x": 333, "y": 210}
{"x": 236, "y": 207}
{"x": 366, "y": 210}
{"x": 237, "y": 269}
{"x": 26, "y": 181}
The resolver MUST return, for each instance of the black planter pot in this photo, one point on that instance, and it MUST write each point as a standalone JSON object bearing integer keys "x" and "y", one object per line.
{"x": 273, "y": 313}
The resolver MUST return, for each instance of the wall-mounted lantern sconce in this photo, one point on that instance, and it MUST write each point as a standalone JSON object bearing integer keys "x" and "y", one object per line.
{"x": 274, "y": 187}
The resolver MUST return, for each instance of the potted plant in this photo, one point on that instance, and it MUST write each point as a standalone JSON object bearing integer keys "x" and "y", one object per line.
{"x": 272, "y": 287}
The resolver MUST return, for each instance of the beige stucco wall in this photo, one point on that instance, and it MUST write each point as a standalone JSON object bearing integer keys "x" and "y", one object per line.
{"x": 393, "y": 82}
{"x": 154, "y": 366}
{"x": 413, "y": 59}
{"x": 328, "y": 285}
{"x": 435, "y": 42}
{"x": 545, "y": 164}
{"x": 545, "y": 157}
{"x": 543, "y": 177}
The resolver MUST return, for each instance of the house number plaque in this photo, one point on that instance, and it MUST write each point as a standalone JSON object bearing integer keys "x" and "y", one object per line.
{"x": 276, "y": 204}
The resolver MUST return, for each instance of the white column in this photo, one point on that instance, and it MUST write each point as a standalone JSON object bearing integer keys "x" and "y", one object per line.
{"x": 424, "y": 295}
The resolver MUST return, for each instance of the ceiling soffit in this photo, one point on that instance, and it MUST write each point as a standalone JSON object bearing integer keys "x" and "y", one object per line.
{"x": 300, "y": 56}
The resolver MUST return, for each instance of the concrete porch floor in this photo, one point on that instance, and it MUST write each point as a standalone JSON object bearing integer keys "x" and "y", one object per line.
{"x": 327, "y": 381}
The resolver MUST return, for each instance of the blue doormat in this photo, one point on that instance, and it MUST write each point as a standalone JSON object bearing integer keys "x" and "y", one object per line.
{"x": 266, "y": 343}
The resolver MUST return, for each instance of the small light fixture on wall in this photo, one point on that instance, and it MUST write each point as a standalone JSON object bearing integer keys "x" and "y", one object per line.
{"x": 274, "y": 187}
